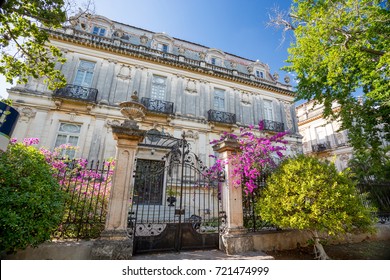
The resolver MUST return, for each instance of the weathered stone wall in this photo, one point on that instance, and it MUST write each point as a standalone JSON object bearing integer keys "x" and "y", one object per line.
{"x": 280, "y": 240}
{"x": 291, "y": 239}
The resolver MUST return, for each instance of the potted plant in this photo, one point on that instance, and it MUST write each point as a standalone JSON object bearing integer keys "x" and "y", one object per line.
{"x": 171, "y": 196}
{"x": 8, "y": 118}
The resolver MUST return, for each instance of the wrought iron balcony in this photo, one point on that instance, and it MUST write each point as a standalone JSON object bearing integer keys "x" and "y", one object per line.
{"x": 273, "y": 126}
{"x": 320, "y": 147}
{"x": 158, "y": 106}
{"x": 77, "y": 92}
{"x": 222, "y": 117}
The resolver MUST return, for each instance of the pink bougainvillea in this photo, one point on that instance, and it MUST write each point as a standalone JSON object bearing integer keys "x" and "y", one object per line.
{"x": 259, "y": 155}
{"x": 88, "y": 186}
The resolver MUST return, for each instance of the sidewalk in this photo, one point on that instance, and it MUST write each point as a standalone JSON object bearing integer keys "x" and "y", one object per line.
{"x": 203, "y": 255}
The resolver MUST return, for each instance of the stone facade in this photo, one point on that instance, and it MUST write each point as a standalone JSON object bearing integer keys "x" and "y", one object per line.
{"x": 185, "y": 86}
{"x": 321, "y": 137}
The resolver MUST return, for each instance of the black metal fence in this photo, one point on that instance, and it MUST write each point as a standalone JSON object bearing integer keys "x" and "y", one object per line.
{"x": 87, "y": 187}
{"x": 252, "y": 220}
{"x": 379, "y": 196}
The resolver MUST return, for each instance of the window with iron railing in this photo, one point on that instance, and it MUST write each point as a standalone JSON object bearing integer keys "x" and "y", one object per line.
{"x": 221, "y": 117}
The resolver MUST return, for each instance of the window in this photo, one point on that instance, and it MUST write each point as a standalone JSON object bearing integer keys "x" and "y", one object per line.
{"x": 68, "y": 134}
{"x": 159, "y": 86}
{"x": 149, "y": 184}
{"x": 321, "y": 134}
{"x": 259, "y": 74}
{"x": 219, "y": 100}
{"x": 215, "y": 61}
{"x": 268, "y": 110}
{"x": 162, "y": 47}
{"x": 99, "y": 31}
{"x": 84, "y": 73}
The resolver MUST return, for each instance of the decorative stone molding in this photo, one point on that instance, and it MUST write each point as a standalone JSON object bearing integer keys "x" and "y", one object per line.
{"x": 58, "y": 104}
{"x": 110, "y": 123}
{"x": 181, "y": 50}
{"x": 191, "y": 134}
{"x": 233, "y": 64}
{"x": 124, "y": 73}
{"x": 144, "y": 39}
{"x": 202, "y": 55}
{"x": 112, "y": 60}
{"x": 245, "y": 99}
{"x": 72, "y": 116}
{"x": 26, "y": 113}
{"x": 141, "y": 67}
{"x": 191, "y": 87}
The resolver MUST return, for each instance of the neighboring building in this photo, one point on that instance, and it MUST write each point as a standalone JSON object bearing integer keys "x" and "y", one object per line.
{"x": 321, "y": 137}
{"x": 186, "y": 87}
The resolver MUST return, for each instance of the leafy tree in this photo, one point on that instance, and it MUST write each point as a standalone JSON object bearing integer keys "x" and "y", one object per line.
{"x": 368, "y": 174}
{"x": 31, "y": 201}
{"x": 340, "y": 48}
{"x": 307, "y": 194}
{"x": 373, "y": 178}
{"x": 24, "y": 39}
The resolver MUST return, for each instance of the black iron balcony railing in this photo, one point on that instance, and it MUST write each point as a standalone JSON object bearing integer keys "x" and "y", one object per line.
{"x": 158, "y": 106}
{"x": 320, "y": 147}
{"x": 273, "y": 126}
{"x": 222, "y": 117}
{"x": 77, "y": 92}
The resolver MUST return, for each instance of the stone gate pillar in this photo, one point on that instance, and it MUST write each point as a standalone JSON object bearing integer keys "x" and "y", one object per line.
{"x": 234, "y": 239}
{"x": 114, "y": 242}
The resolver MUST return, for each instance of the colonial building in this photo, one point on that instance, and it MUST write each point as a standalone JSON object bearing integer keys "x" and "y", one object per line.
{"x": 187, "y": 89}
{"x": 321, "y": 137}
{"x": 185, "y": 86}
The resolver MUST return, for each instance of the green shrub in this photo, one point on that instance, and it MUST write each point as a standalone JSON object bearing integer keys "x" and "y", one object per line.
{"x": 307, "y": 194}
{"x": 31, "y": 202}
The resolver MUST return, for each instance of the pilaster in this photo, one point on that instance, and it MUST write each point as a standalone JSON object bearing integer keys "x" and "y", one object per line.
{"x": 234, "y": 239}
{"x": 115, "y": 243}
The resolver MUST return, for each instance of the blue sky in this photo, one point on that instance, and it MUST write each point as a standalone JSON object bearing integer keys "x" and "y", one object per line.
{"x": 233, "y": 26}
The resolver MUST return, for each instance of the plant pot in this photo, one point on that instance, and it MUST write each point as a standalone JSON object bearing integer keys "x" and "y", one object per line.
{"x": 171, "y": 200}
{"x": 8, "y": 118}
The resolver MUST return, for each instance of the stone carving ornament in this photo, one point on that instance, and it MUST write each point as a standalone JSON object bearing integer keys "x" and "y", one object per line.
{"x": 181, "y": 50}
{"x": 143, "y": 39}
{"x": 202, "y": 55}
{"x": 191, "y": 87}
{"x": 26, "y": 114}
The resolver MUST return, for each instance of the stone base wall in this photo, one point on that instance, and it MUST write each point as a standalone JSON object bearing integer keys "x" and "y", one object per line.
{"x": 260, "y": 241}
{"x": 291, "y": 239}
{"x": 72, "y": 250}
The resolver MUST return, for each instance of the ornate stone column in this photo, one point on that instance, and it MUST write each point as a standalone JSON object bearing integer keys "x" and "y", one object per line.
{"x": 234, "y": 239}
{"x": 114, "y": 242}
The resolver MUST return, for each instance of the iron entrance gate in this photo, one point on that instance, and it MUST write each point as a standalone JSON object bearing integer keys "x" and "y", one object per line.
{"x": 175, "y": 204}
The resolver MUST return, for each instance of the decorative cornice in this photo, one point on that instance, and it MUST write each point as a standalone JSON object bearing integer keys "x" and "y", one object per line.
{"x": 71, "y": 38}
